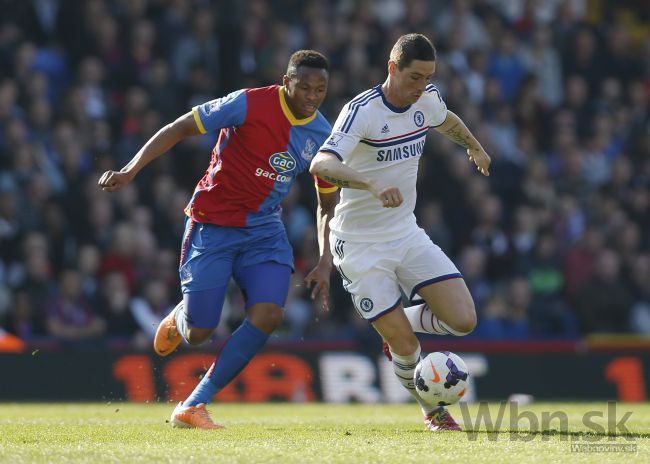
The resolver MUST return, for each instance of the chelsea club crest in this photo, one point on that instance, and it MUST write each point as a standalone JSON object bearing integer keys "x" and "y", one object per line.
{"x": 418, "y": 118}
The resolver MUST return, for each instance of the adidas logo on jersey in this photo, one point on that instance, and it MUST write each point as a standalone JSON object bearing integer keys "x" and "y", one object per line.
{"x": 385, "y": 129}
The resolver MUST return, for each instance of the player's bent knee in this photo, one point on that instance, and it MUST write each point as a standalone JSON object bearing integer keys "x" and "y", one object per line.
{"x": 198, "y": 336}
{"x": 274, "y": 318}
{"x": 266, "y": 316}
{"x": 465, "y": 324}
{"x": 469, "y": 324}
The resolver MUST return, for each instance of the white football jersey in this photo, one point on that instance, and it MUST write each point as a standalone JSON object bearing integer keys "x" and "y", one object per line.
{"x": 384, "y": 142}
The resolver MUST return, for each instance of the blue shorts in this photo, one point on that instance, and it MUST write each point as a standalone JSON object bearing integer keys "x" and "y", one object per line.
{"x": 259, "y": 258}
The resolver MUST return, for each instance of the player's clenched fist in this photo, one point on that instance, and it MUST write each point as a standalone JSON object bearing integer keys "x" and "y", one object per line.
{"x": 112, "y": 181}
{"x": 389, "y": 196}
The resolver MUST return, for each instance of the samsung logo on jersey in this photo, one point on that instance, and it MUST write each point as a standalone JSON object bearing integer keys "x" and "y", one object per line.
{"x": 402, "y": 152}
{"x": 282, "y": 162}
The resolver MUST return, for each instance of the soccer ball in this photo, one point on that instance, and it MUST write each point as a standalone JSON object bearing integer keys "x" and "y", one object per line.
{"x": 441, "y": 378}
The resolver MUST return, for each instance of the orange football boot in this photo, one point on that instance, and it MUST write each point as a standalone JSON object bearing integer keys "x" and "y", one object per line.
{"x": 193, "y": 417}
{"x": 167, "y": 336}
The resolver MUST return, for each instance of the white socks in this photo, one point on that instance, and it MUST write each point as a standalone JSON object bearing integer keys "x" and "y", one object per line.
{"x": 424, "y": 321}
{"x": 181, "y": 323}
{"x": 404, "y": 367}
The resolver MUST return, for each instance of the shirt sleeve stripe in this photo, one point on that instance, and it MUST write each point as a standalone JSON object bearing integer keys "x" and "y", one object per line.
{"x": 197, "y": 119}
{"x": 353, "y": 113}
{"x": 432, "y": 88}
{"x": 354, "y": 102}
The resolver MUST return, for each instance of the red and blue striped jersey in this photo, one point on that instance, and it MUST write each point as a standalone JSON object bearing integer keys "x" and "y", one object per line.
{"x": 260, "y": 150}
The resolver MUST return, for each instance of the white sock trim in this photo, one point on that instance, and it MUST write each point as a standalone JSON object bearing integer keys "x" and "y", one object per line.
{"x": 404, "y": 368}
{"x": 181, "y": 324}
{"x": 423, "y": 320}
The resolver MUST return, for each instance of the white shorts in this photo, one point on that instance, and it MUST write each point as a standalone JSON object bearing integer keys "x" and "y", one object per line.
{"x": 374, "y": 272}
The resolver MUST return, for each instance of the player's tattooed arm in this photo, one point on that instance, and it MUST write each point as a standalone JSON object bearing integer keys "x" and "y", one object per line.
{"x": 455, "y": 130}
{"x": 461, "y": 136}
{"x": 328, "y": 167}
{"x": 334, "y": 181}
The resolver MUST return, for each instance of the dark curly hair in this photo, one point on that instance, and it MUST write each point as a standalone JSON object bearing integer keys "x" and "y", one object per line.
{"x": 309, "y": 58}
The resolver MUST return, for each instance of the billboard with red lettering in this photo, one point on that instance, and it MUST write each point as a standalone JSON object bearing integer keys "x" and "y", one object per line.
{"x": 329, "y": 375}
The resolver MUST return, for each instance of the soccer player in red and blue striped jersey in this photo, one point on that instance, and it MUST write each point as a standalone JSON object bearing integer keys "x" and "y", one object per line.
{"x": 233, "y": 228}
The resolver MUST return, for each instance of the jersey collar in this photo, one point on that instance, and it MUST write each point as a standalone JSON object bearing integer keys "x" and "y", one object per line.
{"x": 389, "y": 105}
{"x": 287, "y": 112}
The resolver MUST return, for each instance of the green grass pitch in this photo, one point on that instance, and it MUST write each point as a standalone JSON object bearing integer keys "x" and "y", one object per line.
{"x": 310, "y": 433}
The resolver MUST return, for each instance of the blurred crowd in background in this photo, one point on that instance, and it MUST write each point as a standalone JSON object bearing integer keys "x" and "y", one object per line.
{"x": 555, "y": 244}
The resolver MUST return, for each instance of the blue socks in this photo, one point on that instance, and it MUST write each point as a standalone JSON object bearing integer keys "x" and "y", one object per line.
{"x": 236, "y": 353}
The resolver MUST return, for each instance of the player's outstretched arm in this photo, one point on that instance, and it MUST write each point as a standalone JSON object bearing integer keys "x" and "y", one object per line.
{"x": 319, "y": 277}
{"x": 455, "y": 130}
{"x": 329, "y": 168}
{"x": 185, "y": 126}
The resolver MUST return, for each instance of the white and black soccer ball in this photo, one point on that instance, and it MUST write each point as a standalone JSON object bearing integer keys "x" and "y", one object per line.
{"x": 441, "y": 378}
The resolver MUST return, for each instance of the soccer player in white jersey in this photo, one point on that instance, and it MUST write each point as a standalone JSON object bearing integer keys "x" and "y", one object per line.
{"x": 377, "y": 247}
